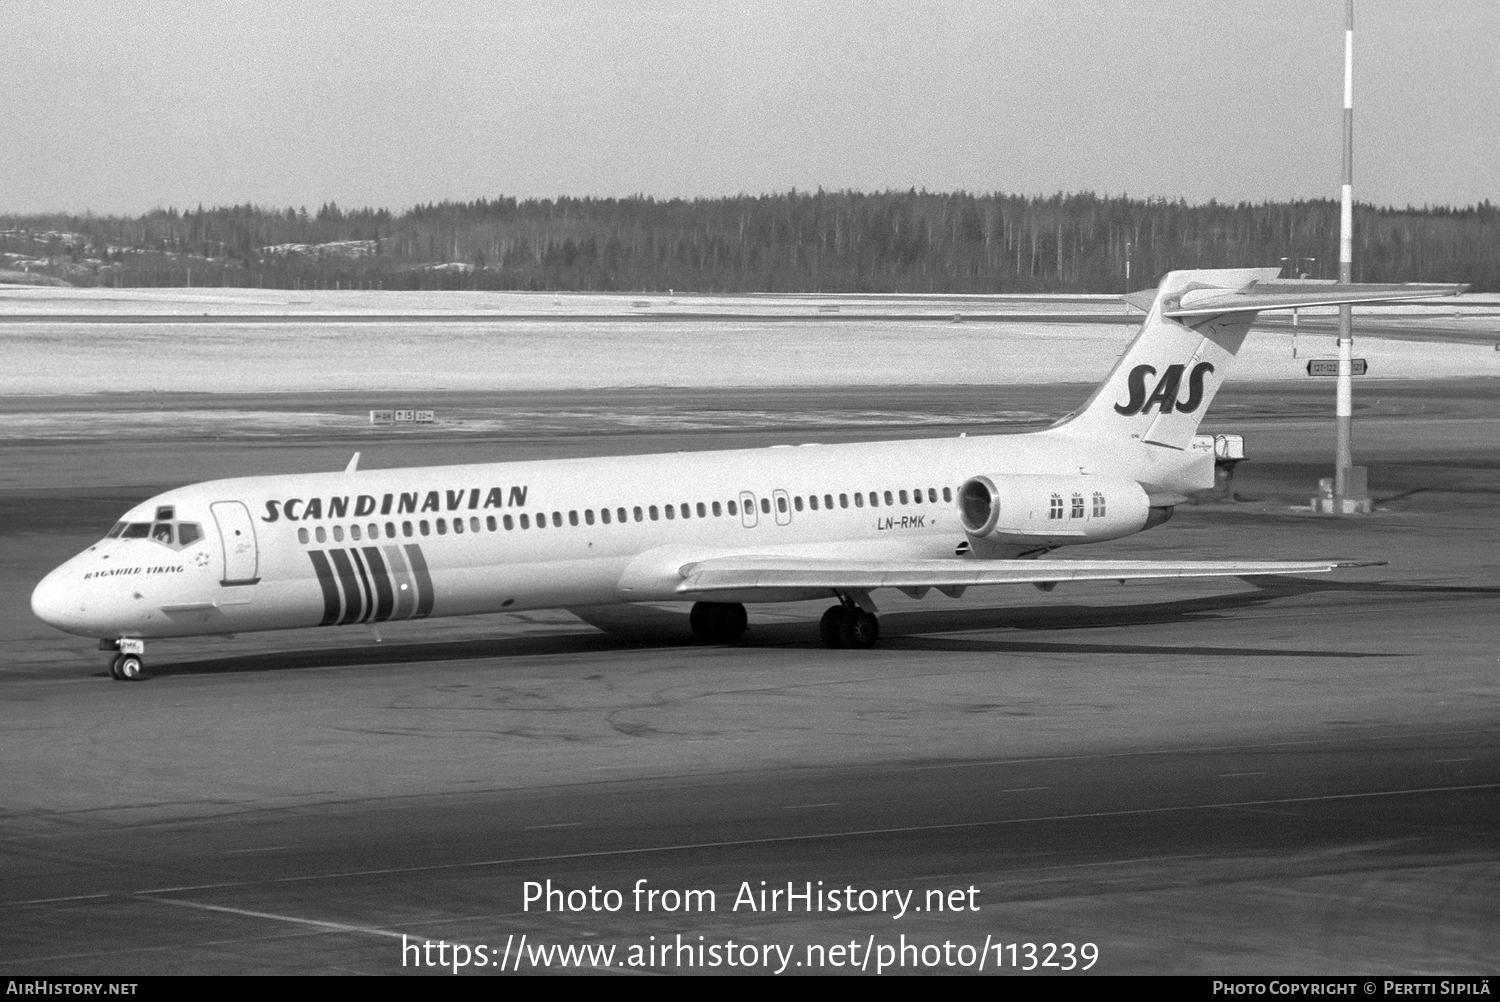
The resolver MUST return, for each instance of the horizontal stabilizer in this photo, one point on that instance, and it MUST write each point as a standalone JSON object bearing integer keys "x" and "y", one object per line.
{"x": 1278, "y": 295}
{"x": 774, "y": 573}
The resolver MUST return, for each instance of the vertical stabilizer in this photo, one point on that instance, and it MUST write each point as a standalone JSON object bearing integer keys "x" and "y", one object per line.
{"x": 1163, "y": 383}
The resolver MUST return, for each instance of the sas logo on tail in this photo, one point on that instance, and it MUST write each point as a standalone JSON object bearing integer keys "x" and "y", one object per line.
{"x": 1164, "y": 396}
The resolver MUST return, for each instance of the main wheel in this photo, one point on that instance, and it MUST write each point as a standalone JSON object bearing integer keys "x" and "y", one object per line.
{"x": 114, "y": 668}
{"x": 701, "y": 621}
{"x": 729, "y": 622}
{"x": 828, "y": 626}
{"x": 859, "y": 629}
{"x": 718, "y": 622}
{"x": 130, "y": 667}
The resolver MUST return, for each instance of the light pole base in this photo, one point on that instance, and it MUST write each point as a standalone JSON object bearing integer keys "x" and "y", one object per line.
{"x": 1342, "y": 506}
{"x": 1355, "y": 498}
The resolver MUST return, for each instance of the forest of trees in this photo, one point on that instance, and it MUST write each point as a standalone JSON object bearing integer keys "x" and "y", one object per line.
{"x": 820, "y": 241}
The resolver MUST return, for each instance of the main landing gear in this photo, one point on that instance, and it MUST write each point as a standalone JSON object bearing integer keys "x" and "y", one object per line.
{"x": 127, "y": 663}
{"x": 717, "y": 622}
{"x": 849, "y": 626}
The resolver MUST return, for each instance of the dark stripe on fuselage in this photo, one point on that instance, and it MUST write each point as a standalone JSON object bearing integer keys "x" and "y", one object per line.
{"x": 353, "y": 601}
{"x": 384, "y": 599}
{"x": 364, "y": 580}
{"x": 330, "y": 588}
{"x": 424, "y": 580}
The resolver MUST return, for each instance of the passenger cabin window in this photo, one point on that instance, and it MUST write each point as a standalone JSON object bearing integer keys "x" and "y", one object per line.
{"x": 859, "y": 500}
{"x": 557, "y": 520}
{"x": 889, "y": 500}
{"x": 670, "y": 512}
{"x": 458, "y": 525}
{"x": 636, "y": 511}
{"x": 1077, "y": 506}
{"x": 718, "y": 511}
{"x": 730, "y": 505}
{"x": 509, "y": 523}
{"x": 903, "y": 496}
{"x": 947, "y": 493}
{"x": 781, "y": 505}
{"x": 588, "y": 515}
{"x": 765, "y": 506}
{"x": 406, "y": 529}
{"x": 525, "y": 521}
{"x": 320, "y": 534}
{"x": 1098, "y": 505}
{"x": 489, "y": 523}
{"x": 355, "y": 534}
{"x": 701, "y": 512}
{"x": 844, "y": 500}
{"x": 1055, "y": 508}
{"x": 604, "y": 515}
{"x": 573, "y": 518}
{"x": 338, "y": 534}
{"x": 390, "y": 530}
{"x": 797, "y": 502}
{"x": 302, "y": 536}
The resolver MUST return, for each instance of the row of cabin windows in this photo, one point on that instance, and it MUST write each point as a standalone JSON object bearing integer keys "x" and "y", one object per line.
{"x": 1076, "y": 508}
{"x": 606, "y": 516}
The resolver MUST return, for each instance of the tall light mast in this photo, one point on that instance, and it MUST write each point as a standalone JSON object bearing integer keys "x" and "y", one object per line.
{"x": 1350, "y": 485}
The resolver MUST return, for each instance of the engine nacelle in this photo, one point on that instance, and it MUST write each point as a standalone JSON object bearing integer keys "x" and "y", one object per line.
{"x": 1032, "y": 511}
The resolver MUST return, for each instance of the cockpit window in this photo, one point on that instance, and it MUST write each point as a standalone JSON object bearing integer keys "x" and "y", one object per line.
{"x": 165, "y": 513}
{"x": 176, "y": 535}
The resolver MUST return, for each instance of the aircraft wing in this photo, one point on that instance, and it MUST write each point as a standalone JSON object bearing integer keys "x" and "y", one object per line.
{"x": 738, "y": 574}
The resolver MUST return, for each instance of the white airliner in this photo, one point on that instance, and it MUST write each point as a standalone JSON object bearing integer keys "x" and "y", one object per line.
{"x": 719, "y": 529}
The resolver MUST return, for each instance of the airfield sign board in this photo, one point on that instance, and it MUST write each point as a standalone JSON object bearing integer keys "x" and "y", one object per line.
{"x": 1330, "y": 367}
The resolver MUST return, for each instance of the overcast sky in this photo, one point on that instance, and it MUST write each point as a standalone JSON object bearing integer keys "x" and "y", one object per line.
{"x": 121, "y": 107}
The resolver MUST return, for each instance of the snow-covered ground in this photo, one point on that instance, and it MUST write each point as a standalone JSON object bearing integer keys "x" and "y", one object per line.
{"x": 746, "y": 348}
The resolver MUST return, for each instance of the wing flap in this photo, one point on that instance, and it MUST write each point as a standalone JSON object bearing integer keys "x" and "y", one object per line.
{"x": 776, "y": 574}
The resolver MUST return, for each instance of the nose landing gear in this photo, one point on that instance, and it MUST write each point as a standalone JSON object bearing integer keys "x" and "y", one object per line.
{"x": 128, "y": 664}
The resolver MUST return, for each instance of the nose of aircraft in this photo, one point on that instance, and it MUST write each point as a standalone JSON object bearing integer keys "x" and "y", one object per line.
{"x": 56, "y": 603}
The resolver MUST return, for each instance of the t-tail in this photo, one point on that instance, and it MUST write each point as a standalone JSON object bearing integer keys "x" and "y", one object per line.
{"x": 1195, "y": 323}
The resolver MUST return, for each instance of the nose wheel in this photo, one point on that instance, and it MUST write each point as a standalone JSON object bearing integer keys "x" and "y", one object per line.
{"x": 128, "y": 663}
{"x": 849, "y": 626}
{"x": 127, "y": 668}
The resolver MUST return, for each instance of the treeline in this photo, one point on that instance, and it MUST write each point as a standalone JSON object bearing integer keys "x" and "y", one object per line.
{"x": 795, "y": 242}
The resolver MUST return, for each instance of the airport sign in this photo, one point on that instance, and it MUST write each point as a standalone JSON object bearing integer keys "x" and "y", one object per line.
{"x": 1330, "y": 367}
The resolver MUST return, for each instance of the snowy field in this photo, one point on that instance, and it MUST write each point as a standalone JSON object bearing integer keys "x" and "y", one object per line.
{"x": 749, "y": 341}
